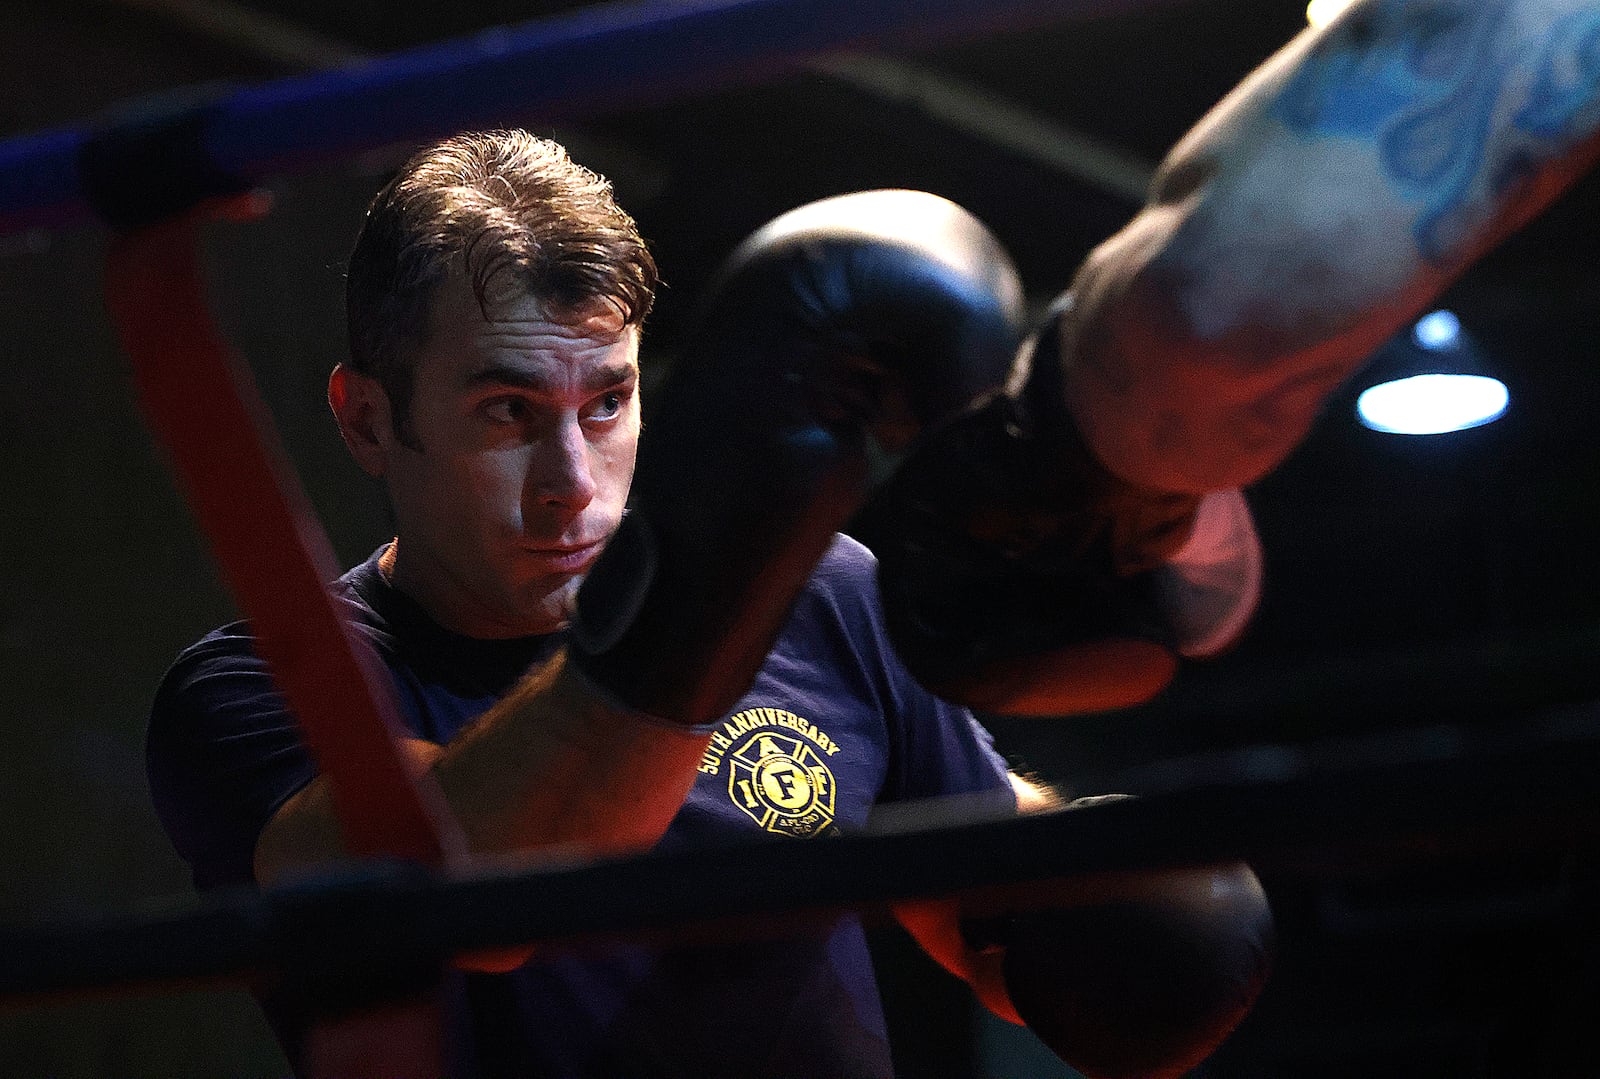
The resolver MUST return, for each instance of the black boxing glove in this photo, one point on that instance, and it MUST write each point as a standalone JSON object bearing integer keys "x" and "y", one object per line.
{"x": 1147, "y": 980}
{"x": 1018, "y": 574}
{"x": 868, "y": 314}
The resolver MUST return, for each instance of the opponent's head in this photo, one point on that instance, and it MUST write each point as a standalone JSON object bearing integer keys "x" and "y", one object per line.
{"x": 495, "y": 296}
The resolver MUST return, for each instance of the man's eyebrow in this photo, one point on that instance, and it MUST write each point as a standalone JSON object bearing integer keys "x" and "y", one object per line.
{"x": 601, "y": 377}
{"x": 609, "y": 375}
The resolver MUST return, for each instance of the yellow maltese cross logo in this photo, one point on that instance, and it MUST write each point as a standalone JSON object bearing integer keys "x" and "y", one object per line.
{"x": 779, "y": 779}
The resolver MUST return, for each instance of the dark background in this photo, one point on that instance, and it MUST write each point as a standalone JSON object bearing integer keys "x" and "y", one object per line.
{"x": 1412, "y": 582}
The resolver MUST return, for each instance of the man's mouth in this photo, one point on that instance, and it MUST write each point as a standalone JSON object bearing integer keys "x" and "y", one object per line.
{"x": 567, "y": 557}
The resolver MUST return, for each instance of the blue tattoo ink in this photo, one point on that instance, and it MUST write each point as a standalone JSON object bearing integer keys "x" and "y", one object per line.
{"x": 1343, "y": 94}
{"x": 1343, "y": 89}
{"x": 1429, "y": 109}
{"x": 1444, "y": 47}
{"x": 1441, "y": 142}
{"x": 1558, "y": 96}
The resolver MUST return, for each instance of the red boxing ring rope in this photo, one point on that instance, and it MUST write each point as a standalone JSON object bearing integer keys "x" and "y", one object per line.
{"x": 199, "y": 400}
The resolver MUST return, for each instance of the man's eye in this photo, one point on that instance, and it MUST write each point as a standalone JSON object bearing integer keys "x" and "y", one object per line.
{"x": 607, "y": 406}
{"x": 505, "y": 409}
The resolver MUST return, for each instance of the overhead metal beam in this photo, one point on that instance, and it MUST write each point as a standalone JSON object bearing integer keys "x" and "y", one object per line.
{"x": 997, "y": 120}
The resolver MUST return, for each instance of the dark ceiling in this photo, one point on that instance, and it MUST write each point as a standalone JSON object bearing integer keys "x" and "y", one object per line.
{"x": 1411, "y": 581}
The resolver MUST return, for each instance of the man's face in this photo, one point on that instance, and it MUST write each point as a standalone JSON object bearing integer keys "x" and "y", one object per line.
{"x": 527, "y": 427}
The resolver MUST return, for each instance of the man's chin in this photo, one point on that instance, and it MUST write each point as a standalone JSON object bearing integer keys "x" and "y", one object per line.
{"x": 548, "y": 606}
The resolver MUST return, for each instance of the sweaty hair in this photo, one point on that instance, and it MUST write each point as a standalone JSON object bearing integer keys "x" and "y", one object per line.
{"x": 484, "y": 205}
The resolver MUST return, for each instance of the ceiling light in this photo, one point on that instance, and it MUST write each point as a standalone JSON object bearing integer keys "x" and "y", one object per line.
{"x": 1431, "y": 381}
{"x": 1438, "y": 331}
{"x": 1433, "y": 404}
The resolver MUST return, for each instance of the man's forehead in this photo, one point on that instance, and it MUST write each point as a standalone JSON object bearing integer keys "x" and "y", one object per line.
{"x": 505, "y": 300}
{"x": 512, "y": 317}
{"x": 517, "y": 338}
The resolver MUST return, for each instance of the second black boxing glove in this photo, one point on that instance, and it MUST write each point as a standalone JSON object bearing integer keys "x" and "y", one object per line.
{"x": 1018, "y": 574}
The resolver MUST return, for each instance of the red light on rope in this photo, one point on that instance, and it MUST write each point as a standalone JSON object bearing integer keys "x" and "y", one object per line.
{"x": 199, "y": 400}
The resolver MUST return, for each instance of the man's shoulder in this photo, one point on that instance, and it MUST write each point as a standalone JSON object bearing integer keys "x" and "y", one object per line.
{"x": 838, "y": 613}
{"x": 231, "y": 648}
{"x": 847, "y": 567}
{"x": 234, "y": 640}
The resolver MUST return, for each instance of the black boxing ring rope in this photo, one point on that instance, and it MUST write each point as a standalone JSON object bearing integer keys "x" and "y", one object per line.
{"x": 1354, "y": 801}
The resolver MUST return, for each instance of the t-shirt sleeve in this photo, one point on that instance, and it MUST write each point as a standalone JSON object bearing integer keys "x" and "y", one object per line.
{"x": 936, "y": 749}
{"x": 223, "y": 753}
{"x": 943, "y": 752}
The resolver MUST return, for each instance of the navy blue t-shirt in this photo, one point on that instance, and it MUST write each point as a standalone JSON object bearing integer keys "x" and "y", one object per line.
{"x": 832, "y": 726}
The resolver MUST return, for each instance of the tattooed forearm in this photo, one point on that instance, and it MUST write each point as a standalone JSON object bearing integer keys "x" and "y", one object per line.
{"x": 1322, "y": 204}
{"x": 1464, "y": 101}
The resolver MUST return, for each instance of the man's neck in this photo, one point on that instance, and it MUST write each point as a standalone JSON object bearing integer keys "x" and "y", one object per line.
{"x": 453, "y": 614}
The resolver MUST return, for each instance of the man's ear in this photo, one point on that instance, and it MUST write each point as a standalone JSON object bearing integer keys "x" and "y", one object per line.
{"x": 362, "y": 410}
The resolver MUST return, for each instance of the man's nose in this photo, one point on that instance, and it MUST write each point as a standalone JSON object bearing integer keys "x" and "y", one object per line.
{"x": 561, "y": 473}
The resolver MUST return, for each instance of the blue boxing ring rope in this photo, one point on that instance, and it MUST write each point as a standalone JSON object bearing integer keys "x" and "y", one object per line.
{"x": 153, "y": 162}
